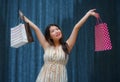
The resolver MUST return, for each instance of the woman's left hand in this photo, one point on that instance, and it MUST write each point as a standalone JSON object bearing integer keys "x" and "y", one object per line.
{"x": 93, "y": 13}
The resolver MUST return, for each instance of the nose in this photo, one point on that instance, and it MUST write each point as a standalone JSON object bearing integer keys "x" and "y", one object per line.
{"x": 56, "y": 31}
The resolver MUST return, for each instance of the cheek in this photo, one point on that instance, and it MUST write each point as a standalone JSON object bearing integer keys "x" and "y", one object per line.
{"x": 61, "y": 33}
{"x": 52, "y": 35}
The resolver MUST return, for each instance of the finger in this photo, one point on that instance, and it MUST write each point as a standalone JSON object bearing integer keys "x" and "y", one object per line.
{"x": 93, "y": 9}
{"x": 21, "y": 15}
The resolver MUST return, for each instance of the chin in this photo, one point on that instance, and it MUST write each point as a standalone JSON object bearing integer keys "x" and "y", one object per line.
{"x": 60, "y": 37}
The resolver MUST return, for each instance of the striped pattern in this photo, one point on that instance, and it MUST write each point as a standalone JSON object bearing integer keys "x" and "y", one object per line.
{"x": 18, "y": 36}
{"x": 54, "y": 69}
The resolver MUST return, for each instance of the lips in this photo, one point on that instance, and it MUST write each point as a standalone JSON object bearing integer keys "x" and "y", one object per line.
{"x": 58, "y": 34}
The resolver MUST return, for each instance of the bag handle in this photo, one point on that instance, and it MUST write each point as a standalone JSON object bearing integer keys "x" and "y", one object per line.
{"x": 98, "y": 18}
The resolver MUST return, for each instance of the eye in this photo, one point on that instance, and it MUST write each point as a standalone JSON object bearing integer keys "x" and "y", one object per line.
{"x": 52, "y": 31}
{"x": 57, "y": 28}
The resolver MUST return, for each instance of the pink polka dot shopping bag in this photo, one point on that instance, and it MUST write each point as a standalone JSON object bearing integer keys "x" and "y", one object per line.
{"x": 102, "y": 36}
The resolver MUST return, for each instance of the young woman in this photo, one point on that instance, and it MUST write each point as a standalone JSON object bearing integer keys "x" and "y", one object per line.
{"x": 56, "y": 50}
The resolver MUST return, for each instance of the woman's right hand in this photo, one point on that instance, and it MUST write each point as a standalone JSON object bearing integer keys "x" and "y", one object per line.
{"x": 21, "y": 15}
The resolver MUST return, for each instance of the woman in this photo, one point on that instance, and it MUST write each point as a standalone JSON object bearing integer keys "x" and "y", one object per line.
{"x": 56, "y": 50}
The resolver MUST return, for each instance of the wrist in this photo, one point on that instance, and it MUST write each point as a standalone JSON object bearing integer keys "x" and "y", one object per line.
{"x": 88, "y": 14}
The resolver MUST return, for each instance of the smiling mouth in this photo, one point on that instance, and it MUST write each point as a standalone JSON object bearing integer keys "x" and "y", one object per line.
{"x": 58, "y": 35}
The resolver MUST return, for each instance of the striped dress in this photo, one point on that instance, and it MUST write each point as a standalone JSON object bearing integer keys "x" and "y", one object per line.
{"x": 54, "y": 68}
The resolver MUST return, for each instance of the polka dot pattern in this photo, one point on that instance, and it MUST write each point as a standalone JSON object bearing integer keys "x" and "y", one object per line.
{"x": 102, "y": 38}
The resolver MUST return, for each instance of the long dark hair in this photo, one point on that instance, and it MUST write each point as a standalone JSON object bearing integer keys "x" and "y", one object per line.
{"x": 50, "y": 41}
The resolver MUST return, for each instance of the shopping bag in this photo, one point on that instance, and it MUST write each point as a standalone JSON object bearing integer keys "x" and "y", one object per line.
{"x": 102, "y": 36}
{"x": 21, "y": 35}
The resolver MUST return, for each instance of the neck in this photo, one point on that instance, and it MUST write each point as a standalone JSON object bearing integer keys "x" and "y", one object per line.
{"x": 56, "y": 44}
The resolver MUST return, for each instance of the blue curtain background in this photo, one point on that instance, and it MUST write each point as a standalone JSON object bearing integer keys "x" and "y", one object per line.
{"x": 84, "y": 65}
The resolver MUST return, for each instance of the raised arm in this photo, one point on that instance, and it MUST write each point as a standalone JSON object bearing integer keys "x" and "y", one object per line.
{"x": 72, "y": 39}
{"x": 38, "y": 32}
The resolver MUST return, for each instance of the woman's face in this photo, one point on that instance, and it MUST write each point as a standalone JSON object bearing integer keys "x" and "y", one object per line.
{"x": 55, "y": 33}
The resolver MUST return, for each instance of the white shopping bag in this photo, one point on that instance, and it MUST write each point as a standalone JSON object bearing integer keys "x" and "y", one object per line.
{"x": 19, "y": 36}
